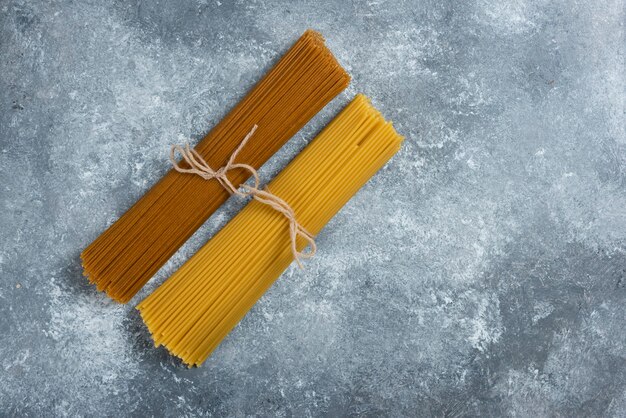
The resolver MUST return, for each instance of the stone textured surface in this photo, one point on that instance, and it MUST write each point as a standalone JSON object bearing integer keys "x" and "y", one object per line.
{"x": 481, "y": 273}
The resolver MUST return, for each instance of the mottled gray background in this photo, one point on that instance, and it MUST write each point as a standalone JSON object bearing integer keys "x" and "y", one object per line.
{"x": 481, "y": 273}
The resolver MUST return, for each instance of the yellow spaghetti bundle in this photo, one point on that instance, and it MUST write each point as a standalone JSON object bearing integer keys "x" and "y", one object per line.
{"x": 195, "y": 309}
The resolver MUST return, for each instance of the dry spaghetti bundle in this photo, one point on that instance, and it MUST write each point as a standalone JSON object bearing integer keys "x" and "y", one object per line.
{"x": 129, "y": 252}
{"x": 196, "y": 308}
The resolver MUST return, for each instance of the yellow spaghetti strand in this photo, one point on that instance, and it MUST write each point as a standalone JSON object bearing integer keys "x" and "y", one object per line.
{"x": 192, "y": 312}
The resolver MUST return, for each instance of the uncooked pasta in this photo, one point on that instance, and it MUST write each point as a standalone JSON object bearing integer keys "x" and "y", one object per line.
{"x": 131, "y": 251}
{"x": 192, "y": 311}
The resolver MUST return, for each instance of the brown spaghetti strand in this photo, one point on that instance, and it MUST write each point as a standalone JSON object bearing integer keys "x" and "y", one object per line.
{"x": 131, "y": 251}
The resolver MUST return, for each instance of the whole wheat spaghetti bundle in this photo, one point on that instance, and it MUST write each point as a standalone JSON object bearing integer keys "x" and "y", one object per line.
{"x": 198, "y": 306}
{"x": 130, "y": 252}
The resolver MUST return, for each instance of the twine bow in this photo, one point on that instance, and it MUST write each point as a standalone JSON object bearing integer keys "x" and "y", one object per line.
{"x": 201, "y": 168}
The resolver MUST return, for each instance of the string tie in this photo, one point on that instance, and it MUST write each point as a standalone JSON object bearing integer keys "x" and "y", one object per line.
{"x": 201, "y": 168}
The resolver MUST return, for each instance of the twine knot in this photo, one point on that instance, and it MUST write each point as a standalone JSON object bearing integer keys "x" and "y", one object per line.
{"x": 201, "y": 168}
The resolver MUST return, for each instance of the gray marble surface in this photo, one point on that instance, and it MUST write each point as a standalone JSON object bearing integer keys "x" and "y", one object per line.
{"x": 482, "y": 272}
